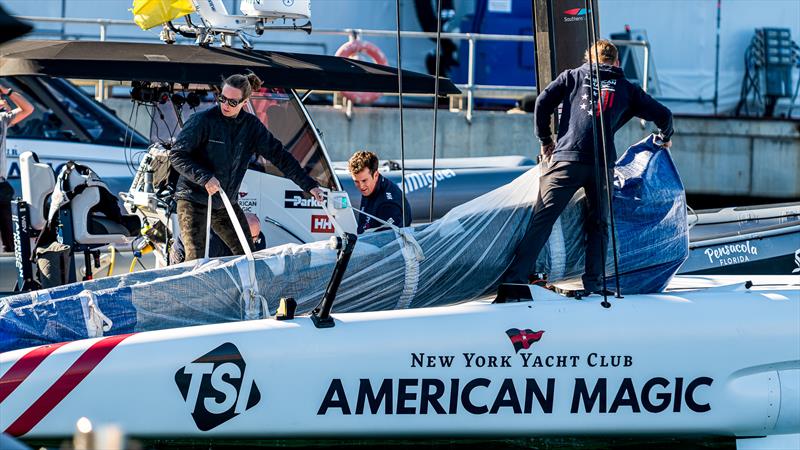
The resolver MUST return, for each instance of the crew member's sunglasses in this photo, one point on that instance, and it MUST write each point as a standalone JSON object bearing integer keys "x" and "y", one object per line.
{"x": 232, "y": 102}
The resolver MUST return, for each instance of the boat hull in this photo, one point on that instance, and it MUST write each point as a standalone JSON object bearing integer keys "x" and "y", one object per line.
{"x": 723, "y": 361}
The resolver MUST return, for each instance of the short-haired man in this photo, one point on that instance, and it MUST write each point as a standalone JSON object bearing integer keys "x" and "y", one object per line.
{"x": 379, "y": 196}
{"x": 570, "y": 161}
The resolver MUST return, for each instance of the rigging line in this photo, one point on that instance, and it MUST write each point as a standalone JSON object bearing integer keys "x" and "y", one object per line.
{"x": 609, "y": 186}
{"x": 400, "y": 104}
{"x": 609, "y": 191}
{"x": 125, "y": 143}
{"x": 153, "y": 121}
{"x": 597, "y": 169}
{"x": 436, "y": 101}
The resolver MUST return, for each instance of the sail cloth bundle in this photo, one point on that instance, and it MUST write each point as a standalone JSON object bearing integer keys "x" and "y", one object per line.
{"x": 465, "y": 254}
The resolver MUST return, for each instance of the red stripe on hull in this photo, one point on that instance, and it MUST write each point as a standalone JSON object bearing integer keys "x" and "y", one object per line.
{"x": 64, "y": 385}
{"x": 24, "y": 367}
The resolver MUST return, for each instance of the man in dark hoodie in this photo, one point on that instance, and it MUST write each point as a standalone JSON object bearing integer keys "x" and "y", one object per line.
{"x": 379, "y": 197}
{"x": 212, "y": 152}
{"x": 568, "y": 163}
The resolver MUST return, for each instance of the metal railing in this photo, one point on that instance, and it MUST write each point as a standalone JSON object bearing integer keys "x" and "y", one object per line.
{"x": 471, "y": 89}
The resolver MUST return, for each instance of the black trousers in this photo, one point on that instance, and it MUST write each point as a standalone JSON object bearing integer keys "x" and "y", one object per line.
{"x": 6, "y": 228}
{"x": 557, "y": 185}
{"x": 192, "y": 222}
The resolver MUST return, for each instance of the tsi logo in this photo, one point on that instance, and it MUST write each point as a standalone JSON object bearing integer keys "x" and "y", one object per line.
{"x": 216, "y": 387}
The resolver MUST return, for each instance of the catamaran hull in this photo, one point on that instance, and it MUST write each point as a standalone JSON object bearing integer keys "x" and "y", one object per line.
{"x": 770, "y": 254}
{"x": 721, "y": 361}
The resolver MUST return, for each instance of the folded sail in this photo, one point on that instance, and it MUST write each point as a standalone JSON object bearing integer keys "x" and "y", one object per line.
{"x": 456, "y": 258}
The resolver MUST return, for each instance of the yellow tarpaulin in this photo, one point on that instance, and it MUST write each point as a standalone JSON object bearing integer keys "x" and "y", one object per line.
{"x": 151, "y": 13}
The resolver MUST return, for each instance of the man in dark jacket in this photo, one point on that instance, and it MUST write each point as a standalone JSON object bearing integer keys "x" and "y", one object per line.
{"x": 379, "y": 197}
{"x": 569, "y": 162}
{"x": 212, "y": 152}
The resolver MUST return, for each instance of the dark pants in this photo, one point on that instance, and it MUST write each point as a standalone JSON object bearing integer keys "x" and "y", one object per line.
{"x": 6, "y": 229}
{"x": 192, "y": 222}
{"x": 557, "y": 185}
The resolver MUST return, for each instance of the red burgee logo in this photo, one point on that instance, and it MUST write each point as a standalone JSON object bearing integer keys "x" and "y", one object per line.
{"x": 523, "y": 339}
{"x": 321, "y": 223}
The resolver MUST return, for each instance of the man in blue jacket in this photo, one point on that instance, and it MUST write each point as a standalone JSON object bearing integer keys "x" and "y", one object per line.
{"x": 379, "y": 197}
{"x": 568, "y": 163}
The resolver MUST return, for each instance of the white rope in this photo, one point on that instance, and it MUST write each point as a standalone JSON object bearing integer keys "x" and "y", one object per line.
{"x": 412, "y": 256}
{"x": 97, "y": 323}
{"x": 407, "y": 238}
{"x": 208, "y": 228}
{"x": 255, "y": 305}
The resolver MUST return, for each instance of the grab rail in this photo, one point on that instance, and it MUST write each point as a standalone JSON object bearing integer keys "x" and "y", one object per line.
{"x": 471, "y": 89}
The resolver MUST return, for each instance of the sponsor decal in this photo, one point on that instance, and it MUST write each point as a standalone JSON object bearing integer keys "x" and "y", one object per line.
{"x": 606, "y": 96}
{"x": 217, "y": 387}
{"x": 797, "y": 261}
{"x": 442, "y": 395}
{"x": 300, "y": 200}
{"x": 61, "y": 388}
{"x": 420, "y": 180}
{"x": 13, "y": 170}
{"x": 248, "y": 204}
{"x": 576, "y": 14}
{"x": 522, "y": 339}
{"x": 321, "y": 223}
{"x": 728, "y": 254}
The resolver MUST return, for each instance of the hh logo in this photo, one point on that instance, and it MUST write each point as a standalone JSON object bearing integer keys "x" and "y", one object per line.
{"x": 217, "y": 387}
{"x": 321, "y": 224}
{"x": 523, "y": 339}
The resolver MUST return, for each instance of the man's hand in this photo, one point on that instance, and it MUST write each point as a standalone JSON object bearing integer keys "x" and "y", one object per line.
{"x": 547, "y": 149}
{"x": 212, "y": 186}
{"x": 317, "y": 193}
{"x": 660, "y": 142}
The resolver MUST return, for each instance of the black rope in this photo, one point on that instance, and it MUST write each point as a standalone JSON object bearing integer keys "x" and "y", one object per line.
{"x": 400, "y": 104}
{"x": 127, "y": 145}
{"x": 435, "y": 102}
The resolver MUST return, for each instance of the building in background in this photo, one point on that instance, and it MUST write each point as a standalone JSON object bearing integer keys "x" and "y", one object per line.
{"x": 682, "y": 35}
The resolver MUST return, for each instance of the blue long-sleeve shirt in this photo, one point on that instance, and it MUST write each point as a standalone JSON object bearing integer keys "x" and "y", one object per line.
{"x": 620, "y": 99}
{"x": 384, "y": 203}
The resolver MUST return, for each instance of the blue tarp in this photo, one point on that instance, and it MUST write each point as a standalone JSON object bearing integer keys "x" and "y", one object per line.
{"x": 457, "y": 258}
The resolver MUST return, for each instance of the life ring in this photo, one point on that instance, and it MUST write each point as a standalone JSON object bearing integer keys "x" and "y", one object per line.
{"x": 352, "y": 49}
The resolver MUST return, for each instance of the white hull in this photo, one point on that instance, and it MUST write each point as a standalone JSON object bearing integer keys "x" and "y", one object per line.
{"x": 719, "y": 361}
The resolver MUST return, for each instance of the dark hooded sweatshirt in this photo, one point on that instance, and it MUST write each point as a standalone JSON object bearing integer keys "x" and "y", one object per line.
{"x": 214, "y": 145}
{"x": 384, "y": 203}
{"x": 621, "y": 101}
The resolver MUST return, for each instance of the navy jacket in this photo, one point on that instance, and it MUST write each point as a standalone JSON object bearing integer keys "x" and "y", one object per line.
{"x": 621, "y": 101}
{"x": 214, "y": 145}
{"x": 383, "y": 203}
